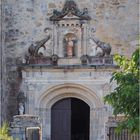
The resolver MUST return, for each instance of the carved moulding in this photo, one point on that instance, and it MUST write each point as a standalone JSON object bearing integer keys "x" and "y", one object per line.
{"x": 70, "y": 7}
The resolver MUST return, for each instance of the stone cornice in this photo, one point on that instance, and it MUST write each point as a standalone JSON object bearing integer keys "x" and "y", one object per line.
{"x": 66, "y": 68}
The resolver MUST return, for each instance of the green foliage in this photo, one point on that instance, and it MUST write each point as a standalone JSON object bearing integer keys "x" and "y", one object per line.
{"x": 125, "y": 97}
{"x": 4, "y": 135}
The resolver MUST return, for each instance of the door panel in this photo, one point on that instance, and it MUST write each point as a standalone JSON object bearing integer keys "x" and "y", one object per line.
{"x": 79, "y": 120}
{"x": 70, "y": 120}
{"x": 61, "y": 120}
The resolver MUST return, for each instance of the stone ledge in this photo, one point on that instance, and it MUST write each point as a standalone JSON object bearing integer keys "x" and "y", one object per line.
{"x": 69, "y": 61}
{"x": 25, "y": 120}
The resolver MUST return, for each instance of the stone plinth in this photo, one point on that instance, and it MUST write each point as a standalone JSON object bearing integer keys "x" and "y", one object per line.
{"x": 21, "y": 123}
{"x": 69, "y": 61}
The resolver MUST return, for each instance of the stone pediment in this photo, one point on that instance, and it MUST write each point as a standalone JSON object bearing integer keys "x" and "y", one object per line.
{"x": 70, "y": 16}
{"x": 70, "y": 10}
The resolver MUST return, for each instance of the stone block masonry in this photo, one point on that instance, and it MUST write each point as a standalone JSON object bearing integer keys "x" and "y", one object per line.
{"x": 22, "y": 123}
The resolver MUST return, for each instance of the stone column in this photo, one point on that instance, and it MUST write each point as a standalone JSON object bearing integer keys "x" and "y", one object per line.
{"x": 94, "y": 121}
{"x": 59, "y": 44}
{"x": 97, "y": 123}
{"x": 82, "y": 40}
{"x": 47, "y": 124}
{"x": 0, "y": 60}
{"x": 3, "y": 75}
{"x": 30, "y": 104}
{"x": 85, "y": 39}
{"x": 45, "y": 119}
{"x": 55, "y": 39}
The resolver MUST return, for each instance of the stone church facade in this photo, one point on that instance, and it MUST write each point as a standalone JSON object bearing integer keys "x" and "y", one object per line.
{"x": 57, "y": 59}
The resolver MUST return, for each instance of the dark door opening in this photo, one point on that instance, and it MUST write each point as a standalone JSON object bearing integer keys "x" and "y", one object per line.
{"x": 70, "y": 120}
{"x": 79, "y": 120}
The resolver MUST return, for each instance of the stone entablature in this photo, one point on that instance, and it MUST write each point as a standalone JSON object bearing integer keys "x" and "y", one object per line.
{"x": 60, "y": 74}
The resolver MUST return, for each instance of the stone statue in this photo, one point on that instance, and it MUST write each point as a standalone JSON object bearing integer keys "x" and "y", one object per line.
{"x": 105, "y": 47}
{"x": 33, "y": 49}
{"x": 21, "y": 109}
{"x": 93, "y": 49}
{"x": 69, "y": 46}
{"x": 21, "y": 101}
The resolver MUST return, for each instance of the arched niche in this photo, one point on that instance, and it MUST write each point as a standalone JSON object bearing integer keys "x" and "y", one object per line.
{"x": 70, "y": 45}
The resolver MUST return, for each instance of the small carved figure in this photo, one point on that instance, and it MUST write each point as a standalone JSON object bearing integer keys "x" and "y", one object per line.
{"x": 33, "y": 49}
{"x": 85, "y": 12}
{"x": 21, "y": 101}
{"x": 21, "y": 109}
{"x": 105, "y": 47}
{"x": 56, "y": 13}
{"x": 93, "y": 49}
{"x": 69, "y": 47}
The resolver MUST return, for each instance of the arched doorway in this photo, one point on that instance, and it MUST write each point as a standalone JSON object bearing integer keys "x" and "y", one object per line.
{"x": 70, "y": 120}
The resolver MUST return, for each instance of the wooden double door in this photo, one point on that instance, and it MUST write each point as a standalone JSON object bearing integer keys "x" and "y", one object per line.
{"x": 70, "y": 120}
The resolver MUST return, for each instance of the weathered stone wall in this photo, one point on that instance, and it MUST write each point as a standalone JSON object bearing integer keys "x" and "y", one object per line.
{"x": 3, "y": 95}
{"x": 116, "y": 22}
{"x": 0, "y": 59}
{"x": 21, "y": 123}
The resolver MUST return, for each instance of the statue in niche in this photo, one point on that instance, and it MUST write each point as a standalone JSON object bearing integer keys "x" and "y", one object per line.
{"x": 21, "y": 102}
{"x": 69, "y": 47}
{"x": 70, "y": 44}
{"x": 21, "y": 109}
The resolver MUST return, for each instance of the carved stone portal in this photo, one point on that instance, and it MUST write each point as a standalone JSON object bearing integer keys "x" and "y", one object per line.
{"x": 71, "y": 39}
